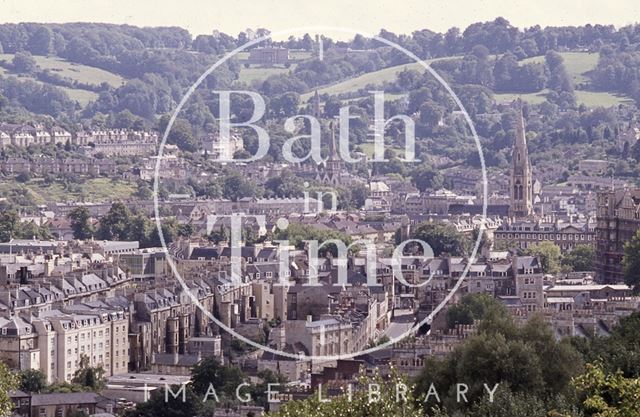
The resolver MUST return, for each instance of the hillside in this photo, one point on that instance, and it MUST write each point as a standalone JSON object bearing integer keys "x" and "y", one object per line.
{"x": 370, "y": 78}
{"x": 36, "y": 191}
{"x": 578, "y": 65}
{"x": 75, "y": 72}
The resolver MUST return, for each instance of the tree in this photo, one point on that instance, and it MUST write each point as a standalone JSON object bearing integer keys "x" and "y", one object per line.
{"x": 81, "y": 223}
{"x": 259, "y": 391}
{"x": 24, "y": 62}
{"x": 298, "y": 233}
{"x": 618, "y": 352}
{"x": 581, "y": 258}
{"x": 526, "y": 361}
{"x": 9, "y": 223}
{"x": 285, "y": 185}
{"x": 92, "y": 378}
{"x": 608, "y": 394}
{"x": 32, "y": 380}
{"x": 115, "y": 224}
{"x": 425, "y": 177}
{"x": 549, "y": 254}
{"x": 210, "y": 372}
{"x": 360, "y": 403}
{"x": 470, "y": 308}
{"x": 217, "y": 236}
{"x": 631, "y": 262}
{"x": 181, "y": 133}
{"x": 8, "y": 382}
{"x": 236, "y": 186}
{"x": 443, "y": 238}
{"x": 41, "y": 41}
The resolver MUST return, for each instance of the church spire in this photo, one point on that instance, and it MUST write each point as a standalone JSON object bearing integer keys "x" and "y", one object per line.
{"x": 521, "y": 183}
{"x": 333, "y": 151}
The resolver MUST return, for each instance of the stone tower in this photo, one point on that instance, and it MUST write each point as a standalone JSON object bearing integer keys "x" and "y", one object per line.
{"x": 521, "y": 183}
{"x": 329, "y": 171}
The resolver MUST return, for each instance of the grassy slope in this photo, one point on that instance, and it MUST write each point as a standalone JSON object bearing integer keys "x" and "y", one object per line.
{"x": 95, "y": 189}
{"x": 78, "y": 72}
{"x": 248, "y": 75}
{"x": 370, "y": 78}
{"x": 578, "y": 64}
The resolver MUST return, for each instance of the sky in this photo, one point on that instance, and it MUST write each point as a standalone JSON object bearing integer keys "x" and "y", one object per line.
{"x": 367, "y": 16}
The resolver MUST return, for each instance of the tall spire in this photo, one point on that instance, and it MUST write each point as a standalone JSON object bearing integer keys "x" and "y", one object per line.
{"x": 521, "y": 187}
{"x": 520, "y": 145}
{"x": 333, "y": 152}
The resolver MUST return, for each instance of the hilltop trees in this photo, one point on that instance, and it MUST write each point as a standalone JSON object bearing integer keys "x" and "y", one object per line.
{"x": 23, "y": 62}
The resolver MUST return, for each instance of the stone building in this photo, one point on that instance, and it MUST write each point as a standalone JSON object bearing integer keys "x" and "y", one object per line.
{"x": 618, "y": 220}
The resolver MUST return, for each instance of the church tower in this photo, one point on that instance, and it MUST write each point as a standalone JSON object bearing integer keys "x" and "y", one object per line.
{"x": 521, "y": 183}
{"x": 329, "y": 171}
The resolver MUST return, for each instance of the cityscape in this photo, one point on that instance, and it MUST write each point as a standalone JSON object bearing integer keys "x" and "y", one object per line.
{"x": 298, "y": 223}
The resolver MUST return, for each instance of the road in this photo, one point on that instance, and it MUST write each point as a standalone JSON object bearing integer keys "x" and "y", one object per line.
{"x": 400, "y": 324}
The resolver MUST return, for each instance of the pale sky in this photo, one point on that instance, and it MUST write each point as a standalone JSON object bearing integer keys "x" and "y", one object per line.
{"x": 400, "y": 16}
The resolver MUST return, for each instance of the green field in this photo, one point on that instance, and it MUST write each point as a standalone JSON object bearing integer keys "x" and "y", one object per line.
{"x": 368, "y": 149}
{"x": 578, "y": 65}
{"x": 370, "y": 78}
{"x": 77, "y": 72}
{"x": 533, "y": 98}
{"x": 95, "y": 189}
{"x": 251, "y": 74}
{"x": 588, "y": 98}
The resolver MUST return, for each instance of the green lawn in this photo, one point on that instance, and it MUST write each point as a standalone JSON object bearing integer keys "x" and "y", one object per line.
{"x": 576, "y": 63}
{"x": 78, "y": 72}
{"x": 588, "y": 98}
{"x": 248, "y": 75}
{"x": 368, "y": 149}
{"x": 601, "y": 98}
{"x": 533, "y": 98}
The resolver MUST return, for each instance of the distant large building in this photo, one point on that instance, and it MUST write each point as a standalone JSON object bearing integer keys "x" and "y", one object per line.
{"x": 566, "y": 235}
{"x": 618, "y": 219}
{"x": 269, "y": 56}
{"x": 521, "y": 185}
